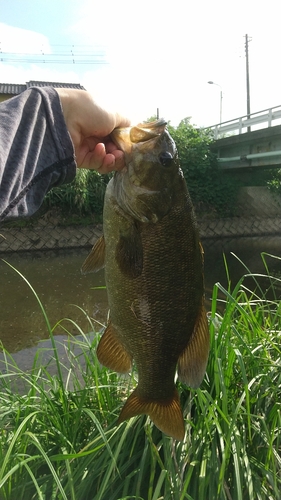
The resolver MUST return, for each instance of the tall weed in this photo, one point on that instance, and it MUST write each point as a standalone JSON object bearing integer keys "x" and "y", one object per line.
{"x": 83, "y": 196}
{"x": 59, "y": 439}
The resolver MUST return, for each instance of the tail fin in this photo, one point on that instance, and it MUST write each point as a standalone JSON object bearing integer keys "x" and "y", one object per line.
{"x": 166, "y": 415}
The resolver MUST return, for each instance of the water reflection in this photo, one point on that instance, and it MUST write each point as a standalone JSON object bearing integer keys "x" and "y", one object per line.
{"x": 241, "y": 255}
{"x": 56, "y": 277}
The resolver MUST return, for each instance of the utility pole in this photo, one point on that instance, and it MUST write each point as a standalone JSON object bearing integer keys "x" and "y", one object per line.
{"x": 248, "y": 79}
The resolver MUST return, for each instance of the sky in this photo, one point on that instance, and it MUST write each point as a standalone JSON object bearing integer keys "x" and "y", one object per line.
{"x": 149, "y": 54}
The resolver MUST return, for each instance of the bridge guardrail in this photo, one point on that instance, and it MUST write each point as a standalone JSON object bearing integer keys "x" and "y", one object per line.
{"x": 266, "y": 116}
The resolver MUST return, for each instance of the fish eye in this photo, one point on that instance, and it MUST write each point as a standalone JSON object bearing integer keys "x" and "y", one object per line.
{"x": 166, "y": 159}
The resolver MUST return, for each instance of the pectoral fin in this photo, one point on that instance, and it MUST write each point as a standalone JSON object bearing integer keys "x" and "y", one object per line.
{"x": 111, "y": 353}
{"x": 193, "y": 361}
{"x": 129, "y": 252}
{"x": 95, "y": 260}
{"x": 166, "y": 415}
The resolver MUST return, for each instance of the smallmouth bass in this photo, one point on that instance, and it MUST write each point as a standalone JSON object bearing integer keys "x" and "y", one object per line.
{"x": 153, "y": 263}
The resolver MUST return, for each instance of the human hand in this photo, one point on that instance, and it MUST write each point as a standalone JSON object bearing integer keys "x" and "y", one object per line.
{"x": 89, "y": 126}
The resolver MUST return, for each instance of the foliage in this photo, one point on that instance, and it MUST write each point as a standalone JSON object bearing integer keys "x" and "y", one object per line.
{"x": 83, "y": 196}
{"x": 209, "y": 188}
{"x": 59, "y": 439}
{"x": 213, "y": 191}
{"x": 274, "y": 183}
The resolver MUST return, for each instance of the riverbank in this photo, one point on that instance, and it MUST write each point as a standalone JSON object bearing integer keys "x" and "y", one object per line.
{"x": 44, "y": 235}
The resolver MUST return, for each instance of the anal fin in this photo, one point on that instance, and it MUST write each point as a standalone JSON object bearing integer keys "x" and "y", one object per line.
{"x": 111, "y": 353}
{"x": 166, "y": 415}
{"x": 193, "y": 361}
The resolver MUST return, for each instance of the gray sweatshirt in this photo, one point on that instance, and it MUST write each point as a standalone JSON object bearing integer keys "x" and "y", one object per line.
{"x": 36, "y": 151}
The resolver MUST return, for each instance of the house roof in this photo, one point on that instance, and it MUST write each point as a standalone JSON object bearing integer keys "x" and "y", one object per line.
{"x": 11, "y": 88}
{"x": 14, "y": 88}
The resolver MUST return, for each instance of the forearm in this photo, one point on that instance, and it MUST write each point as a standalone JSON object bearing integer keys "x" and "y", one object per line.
{"x": 36, "y": 151}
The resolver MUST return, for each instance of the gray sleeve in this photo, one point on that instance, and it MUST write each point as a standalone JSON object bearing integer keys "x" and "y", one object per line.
{"x": 36, "y": 151}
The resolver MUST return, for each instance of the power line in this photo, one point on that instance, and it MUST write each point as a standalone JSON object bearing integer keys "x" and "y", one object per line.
{"x": 52, "y": 61}
{"x": 70, "y": 47}
{"x": 55, "y": 54}
{"x": 67, "y": 54}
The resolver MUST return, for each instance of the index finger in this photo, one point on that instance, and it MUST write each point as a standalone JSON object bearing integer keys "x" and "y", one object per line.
{"x": 110, "y": 147}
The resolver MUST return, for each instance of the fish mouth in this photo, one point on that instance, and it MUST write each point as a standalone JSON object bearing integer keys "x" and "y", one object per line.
{"x": 125, "y": 137}
{"x": 134, "y": 192}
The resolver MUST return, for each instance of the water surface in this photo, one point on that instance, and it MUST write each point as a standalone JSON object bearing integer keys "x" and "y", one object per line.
{"x": 56, "y": 278}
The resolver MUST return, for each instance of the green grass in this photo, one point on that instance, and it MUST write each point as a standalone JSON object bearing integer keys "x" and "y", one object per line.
{"x": 59, "y": 439}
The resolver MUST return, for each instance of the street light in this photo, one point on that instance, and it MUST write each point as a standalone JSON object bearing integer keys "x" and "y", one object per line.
{"x": 213, "y": 83}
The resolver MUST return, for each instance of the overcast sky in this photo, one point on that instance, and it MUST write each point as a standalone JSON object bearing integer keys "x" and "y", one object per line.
{"x": 151, "y": 53}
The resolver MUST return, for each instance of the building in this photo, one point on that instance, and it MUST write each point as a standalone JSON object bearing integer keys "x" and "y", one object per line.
{"x": 8, "y": 90}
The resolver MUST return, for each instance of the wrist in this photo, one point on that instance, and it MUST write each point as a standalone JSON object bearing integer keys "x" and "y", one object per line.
{"x": 70, "y": 104}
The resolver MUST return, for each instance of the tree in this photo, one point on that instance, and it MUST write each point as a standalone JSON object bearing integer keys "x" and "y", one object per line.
{"x": 210, "y": 189}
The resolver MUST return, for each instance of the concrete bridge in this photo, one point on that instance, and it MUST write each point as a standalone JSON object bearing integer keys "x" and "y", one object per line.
{"x": 249, "y": 141}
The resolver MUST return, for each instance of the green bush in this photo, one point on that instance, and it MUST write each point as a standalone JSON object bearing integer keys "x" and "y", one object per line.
{"x": 209, "y": 188}
{"x": 83, "y": 196}
{"x": 274, "y": 183}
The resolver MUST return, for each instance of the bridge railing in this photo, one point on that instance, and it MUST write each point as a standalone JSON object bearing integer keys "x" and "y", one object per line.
{"x": 244, "y": 123}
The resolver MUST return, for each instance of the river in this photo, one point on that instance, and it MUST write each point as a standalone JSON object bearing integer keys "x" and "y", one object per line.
{"x": 56, "y": 278}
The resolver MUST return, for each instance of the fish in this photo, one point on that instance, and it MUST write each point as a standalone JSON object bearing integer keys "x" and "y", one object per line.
{"x": 153, "y": 260}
